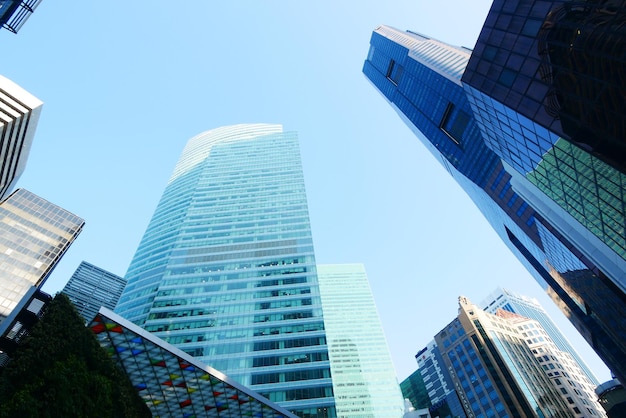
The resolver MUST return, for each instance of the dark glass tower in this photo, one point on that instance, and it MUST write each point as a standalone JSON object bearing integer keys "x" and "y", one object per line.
{"x": 561, "y": 65}
{"x": 518, "y": 174}
{"x": 551, "y": 73}
{"x": 226, "y": 269}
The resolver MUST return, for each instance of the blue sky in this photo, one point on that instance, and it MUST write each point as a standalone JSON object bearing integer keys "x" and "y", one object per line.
{"x": 126, "y": 84}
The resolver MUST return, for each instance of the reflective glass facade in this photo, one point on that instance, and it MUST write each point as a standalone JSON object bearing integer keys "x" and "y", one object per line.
{"x": 546, "y": 85}
{"x": 563, "y": 371}
{"x": 494, "y": 372}
{"x": 226, "y": 269}
{"x": 34, "y": 235}
{"x": 557, "y": 204}
{"x": 530, "y": 308}
{"x": 91, "y": 287}
{"x": 561, "y": 175}
{"x": 364, "y": 379}
{"x": 560, "y": 64}
{"x": 429, "y": 97}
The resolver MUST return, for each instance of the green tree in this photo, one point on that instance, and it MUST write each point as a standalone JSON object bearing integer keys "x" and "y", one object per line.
{"x": 61, "y": 371}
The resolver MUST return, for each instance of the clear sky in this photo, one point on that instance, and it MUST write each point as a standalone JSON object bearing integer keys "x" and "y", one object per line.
{"x": 126, "y": 84}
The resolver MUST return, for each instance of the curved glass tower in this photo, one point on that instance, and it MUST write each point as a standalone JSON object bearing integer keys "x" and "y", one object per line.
{"x": 226, "y": 270}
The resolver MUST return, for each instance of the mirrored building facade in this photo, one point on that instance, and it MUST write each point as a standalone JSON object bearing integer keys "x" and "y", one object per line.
{"x": 530, "y": 308}
{"x": 555, "y": 201}
{"x": 226, "y": 269}
{"x": 546, "y": 85}
{"x": 559, "y": 64}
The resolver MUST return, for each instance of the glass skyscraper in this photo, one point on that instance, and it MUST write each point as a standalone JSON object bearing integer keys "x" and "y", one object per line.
{"x": 226, "y": 270}
{"x": 364, "y": 380}
{"x": 34, "y": 235}
{"x": 546, "y": 86}
{"x": 530, "y": 308}
{"x": 556, "y": 203}
{"x": 91, "y": 287}
{"x": 421, "y": 78}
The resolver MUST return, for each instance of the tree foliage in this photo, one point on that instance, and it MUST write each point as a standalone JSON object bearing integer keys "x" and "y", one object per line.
{"x": 61, "y": 371}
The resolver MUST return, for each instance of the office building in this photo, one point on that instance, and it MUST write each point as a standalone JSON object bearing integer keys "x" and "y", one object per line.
{"x": 433, "y": 372}
{"x": 34, "y": 235}
{"x": 364, "y": 379}
{"x": 493, "y": 370}
{"x": 14, "y": 13}
{"x": 19, "y": 114}
{"x": 468, "y": 131}
{"x": 421, "y": 78}
{"x": 553, "y": 79}
{"x": 530, "y": 308}
{"x": 91, "y": 288}
{"x": 443, "y": 398}
{"x": 226, "y": 269}
{"x": 478, "y": 350}
{"x": 173, "y": 383}
{"x": 565, "y": 374}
